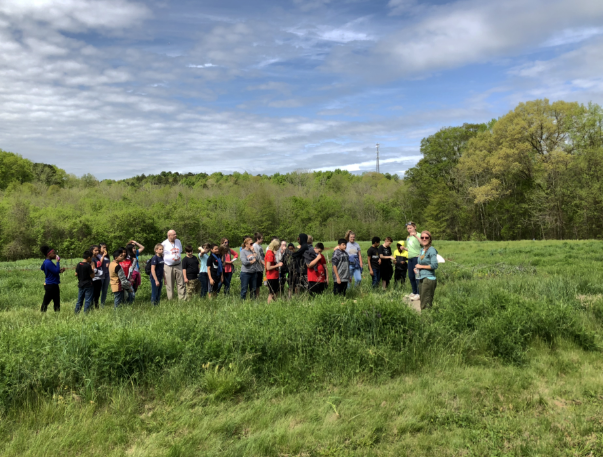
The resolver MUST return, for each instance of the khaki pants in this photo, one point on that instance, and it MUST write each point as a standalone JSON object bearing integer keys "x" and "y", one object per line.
{"x": 427, "y": 289}
{"x": 193, "y": 288}
{"x": 174, "y": 277}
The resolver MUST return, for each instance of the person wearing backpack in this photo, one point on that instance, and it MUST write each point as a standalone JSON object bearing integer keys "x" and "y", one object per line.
{"x": 156, "y": 271}
{"x": 215, "y": 270}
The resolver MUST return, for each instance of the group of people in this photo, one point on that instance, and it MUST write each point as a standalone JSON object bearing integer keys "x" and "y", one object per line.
{"x": 284, "y": 269}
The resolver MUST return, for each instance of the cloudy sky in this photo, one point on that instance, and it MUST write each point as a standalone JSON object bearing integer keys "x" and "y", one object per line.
{"x": 123, "y": 87}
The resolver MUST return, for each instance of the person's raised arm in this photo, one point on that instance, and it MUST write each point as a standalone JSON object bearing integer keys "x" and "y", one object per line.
{"x": 315, "y": 261}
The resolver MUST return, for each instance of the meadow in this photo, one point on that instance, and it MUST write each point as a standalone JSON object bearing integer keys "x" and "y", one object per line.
{"x": 507, "y": 363}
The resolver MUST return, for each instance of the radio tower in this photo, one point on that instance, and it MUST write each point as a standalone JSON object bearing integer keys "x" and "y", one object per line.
{"x": 377, "y": 157}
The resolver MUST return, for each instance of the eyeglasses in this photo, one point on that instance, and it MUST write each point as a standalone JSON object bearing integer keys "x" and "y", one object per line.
{"x": 426, "y": 238}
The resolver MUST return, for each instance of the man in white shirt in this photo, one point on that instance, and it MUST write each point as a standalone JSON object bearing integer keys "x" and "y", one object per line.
{"x": 172, "y": 256}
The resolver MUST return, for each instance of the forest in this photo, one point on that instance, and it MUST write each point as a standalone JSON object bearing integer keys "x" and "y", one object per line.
{"x": 534, "y": 173}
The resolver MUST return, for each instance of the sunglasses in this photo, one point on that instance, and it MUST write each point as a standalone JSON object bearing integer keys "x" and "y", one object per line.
{"x": 426, "y": 238}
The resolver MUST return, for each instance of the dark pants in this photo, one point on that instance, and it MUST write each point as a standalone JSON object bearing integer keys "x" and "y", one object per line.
{"x": 204, "y": 281}
{"x": 414, "y": 283}
{"x": 98, "y": 288}
{"x": 340, "y": 289}
{"x": 52, "y": 292}
{"x": 227, "y": 279}
{"x": 123, "y": 296}
{"x": 104, "y": 288}
{"x": 84, "y": 294}
{"x": 316, "y": 288}
{"x": 427, "y": 289}
{"x": 376, "y": 277}
{"x": 259, "y": 281}
{"x": 400, "y": 275}
{"x": 248, "y": 281}
{"x": 215, "y": 289}
{"x": 156, "y": 291}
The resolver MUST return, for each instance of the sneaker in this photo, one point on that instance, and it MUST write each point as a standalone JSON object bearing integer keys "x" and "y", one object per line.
{"x": 417, "y": 297}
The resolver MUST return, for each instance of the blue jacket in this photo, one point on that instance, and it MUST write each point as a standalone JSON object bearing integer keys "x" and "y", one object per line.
{"x": 428, "y": 258}
{"x": 51, "y": 271}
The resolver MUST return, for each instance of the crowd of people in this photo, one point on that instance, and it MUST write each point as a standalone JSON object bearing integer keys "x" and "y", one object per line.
{"x": 285, "y": 269}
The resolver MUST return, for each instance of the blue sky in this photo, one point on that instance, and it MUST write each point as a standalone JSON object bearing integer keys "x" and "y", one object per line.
{"x": 118, "y": 88}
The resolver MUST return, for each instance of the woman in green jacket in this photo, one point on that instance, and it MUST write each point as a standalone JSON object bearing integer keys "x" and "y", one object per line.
{"x": 427, "y": 264}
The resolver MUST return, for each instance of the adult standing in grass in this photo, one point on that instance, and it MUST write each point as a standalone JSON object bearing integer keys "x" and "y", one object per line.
{"x": 172, "y": 256}
{"x": 248, "y": 271}
{"x": 413, "y": 247}
{"x": 353, "y": 250}
{"x": 272, "y": 270}
{"x": 190, "y": 267}
{"x": 157, "y": 274}
{"x": 259, "y": 265}
{"x": 52, "y": 271}
{"x": 228, "y": 259}
{"x": 427, "y": 263}
{"x": 85, "y": 271}
{"x": 105, "y": 261}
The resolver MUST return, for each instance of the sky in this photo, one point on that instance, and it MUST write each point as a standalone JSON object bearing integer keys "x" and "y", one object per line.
{"x": 118, "y": 88}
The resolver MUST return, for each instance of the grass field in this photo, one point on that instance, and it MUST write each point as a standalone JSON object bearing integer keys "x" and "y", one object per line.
{"x": 507, "y": 363}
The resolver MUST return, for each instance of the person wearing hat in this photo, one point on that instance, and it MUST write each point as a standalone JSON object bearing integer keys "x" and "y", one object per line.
{"x": 400, "y": 264}
{"x": 413, "y": 248}
{"x": 52, "y": 281}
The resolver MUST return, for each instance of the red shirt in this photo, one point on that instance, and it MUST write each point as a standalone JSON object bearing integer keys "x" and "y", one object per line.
{"x": 125, "y": 265}
{"x": 230, "y": 255}
{"x": 271, "y": 274}
{"x": 321, "y": 275}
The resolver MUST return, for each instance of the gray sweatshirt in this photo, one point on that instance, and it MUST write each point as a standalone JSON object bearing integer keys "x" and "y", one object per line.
{"x": 247, "y": 267}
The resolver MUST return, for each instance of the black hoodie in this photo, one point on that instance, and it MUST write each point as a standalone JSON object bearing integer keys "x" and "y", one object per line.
{"x": 303, "y": 243}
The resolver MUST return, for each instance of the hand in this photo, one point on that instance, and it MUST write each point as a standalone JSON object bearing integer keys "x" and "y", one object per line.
{"x": 157, "y": 283}
{"x": 185, "y": 280}
{"x": 58, "y": 259}
{"x": 372, "y": 273}
{"x": 280, "y": 264}
{"x": 338, "y": 280}
{"x": 211, "y": 281}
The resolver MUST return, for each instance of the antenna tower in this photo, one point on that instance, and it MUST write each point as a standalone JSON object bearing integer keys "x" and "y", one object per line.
{"x": 377, "y": 158}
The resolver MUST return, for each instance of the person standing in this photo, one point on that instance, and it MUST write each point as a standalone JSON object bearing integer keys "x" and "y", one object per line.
{"x": 120, "y": 284}
{"x": 157, "y": 275}
{"x": 386, "y": 257}
{"x": 215, "y": 271}
{"x": 353, "y": 250}
{"x": 97, "y": 281}
{"x": 204, "y": 252}
{"x": 283, "y": 256}
{"x": 248, "y": 261}
{"x": 374, "y": 261}
{"x": 190, "y": 267}
{"x": 427, "y": 263}
{"x": 172, "y": 256}
{"x": 272, "y": 270}
{"x": 85, "y": 271}
{"x": 105, "y": 261}
{"x": 317, "y": 272}
{"x": 259, "y": 265}
{"x": 341, "y": 268}
{"x": 52, "y": 291}
{"x": 400, "y": 264}
{"x": 229, "y": 257}
{"x": 133, "y": 250}
{"x": 413, "y": 248}
{"x": 300, "y": 270}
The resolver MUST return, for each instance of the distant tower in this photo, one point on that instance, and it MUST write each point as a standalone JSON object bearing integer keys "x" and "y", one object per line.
{"x": 377, "y": 157}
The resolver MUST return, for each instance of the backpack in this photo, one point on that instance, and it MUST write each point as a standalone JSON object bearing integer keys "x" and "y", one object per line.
{"x": 147, "y": 267}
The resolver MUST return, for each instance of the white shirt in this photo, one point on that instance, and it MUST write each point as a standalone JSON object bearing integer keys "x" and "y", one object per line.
{"x": 172, "y": 252}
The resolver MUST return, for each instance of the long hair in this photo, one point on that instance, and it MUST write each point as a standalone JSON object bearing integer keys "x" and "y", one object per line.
{"x": 347, "y": 235}
{"x": 274, "y": 245}
{"x": 245, "y": 241}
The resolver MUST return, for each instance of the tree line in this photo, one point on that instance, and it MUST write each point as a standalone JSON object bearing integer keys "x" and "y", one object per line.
{"x": 536, "y": 172}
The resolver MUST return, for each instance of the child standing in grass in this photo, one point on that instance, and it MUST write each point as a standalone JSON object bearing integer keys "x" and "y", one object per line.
{"x": 374, "y": 261}
{"x": 400, "y": 265}
{"x": 120, "y": 285}
{"x": 157, "y": 274}
{"x": 341, "y": 268}
{"x": 385, "y": 256}
{"x": 190, "y": 269}
{"x": 272, "y": 270}
{"x": 317, "y": 272}
{"x": 52, "y": 291}
{"x": 204, "y": 252}
{"x": 248, "y": 260}
{"x": 85, "y": 271}
{"x": 215, "y": 271}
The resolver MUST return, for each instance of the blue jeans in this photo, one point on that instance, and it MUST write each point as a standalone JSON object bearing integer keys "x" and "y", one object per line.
{"x": 227, "y": 279}
{"x": 156, "y": 291}
{"x": 414, "y": 281}
{"x": 356, "y": 273}
{"x": 123, "y": 296}
{"x": 376, "y": 277}
{"x": 104, "y": 288}
{"x": 81, "y": 295}
{"x": 204, "y": 281}
{"x": 248, "y": 281}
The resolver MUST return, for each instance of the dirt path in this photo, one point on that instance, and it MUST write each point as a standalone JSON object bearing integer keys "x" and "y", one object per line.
{"x": 414, "y": 304}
